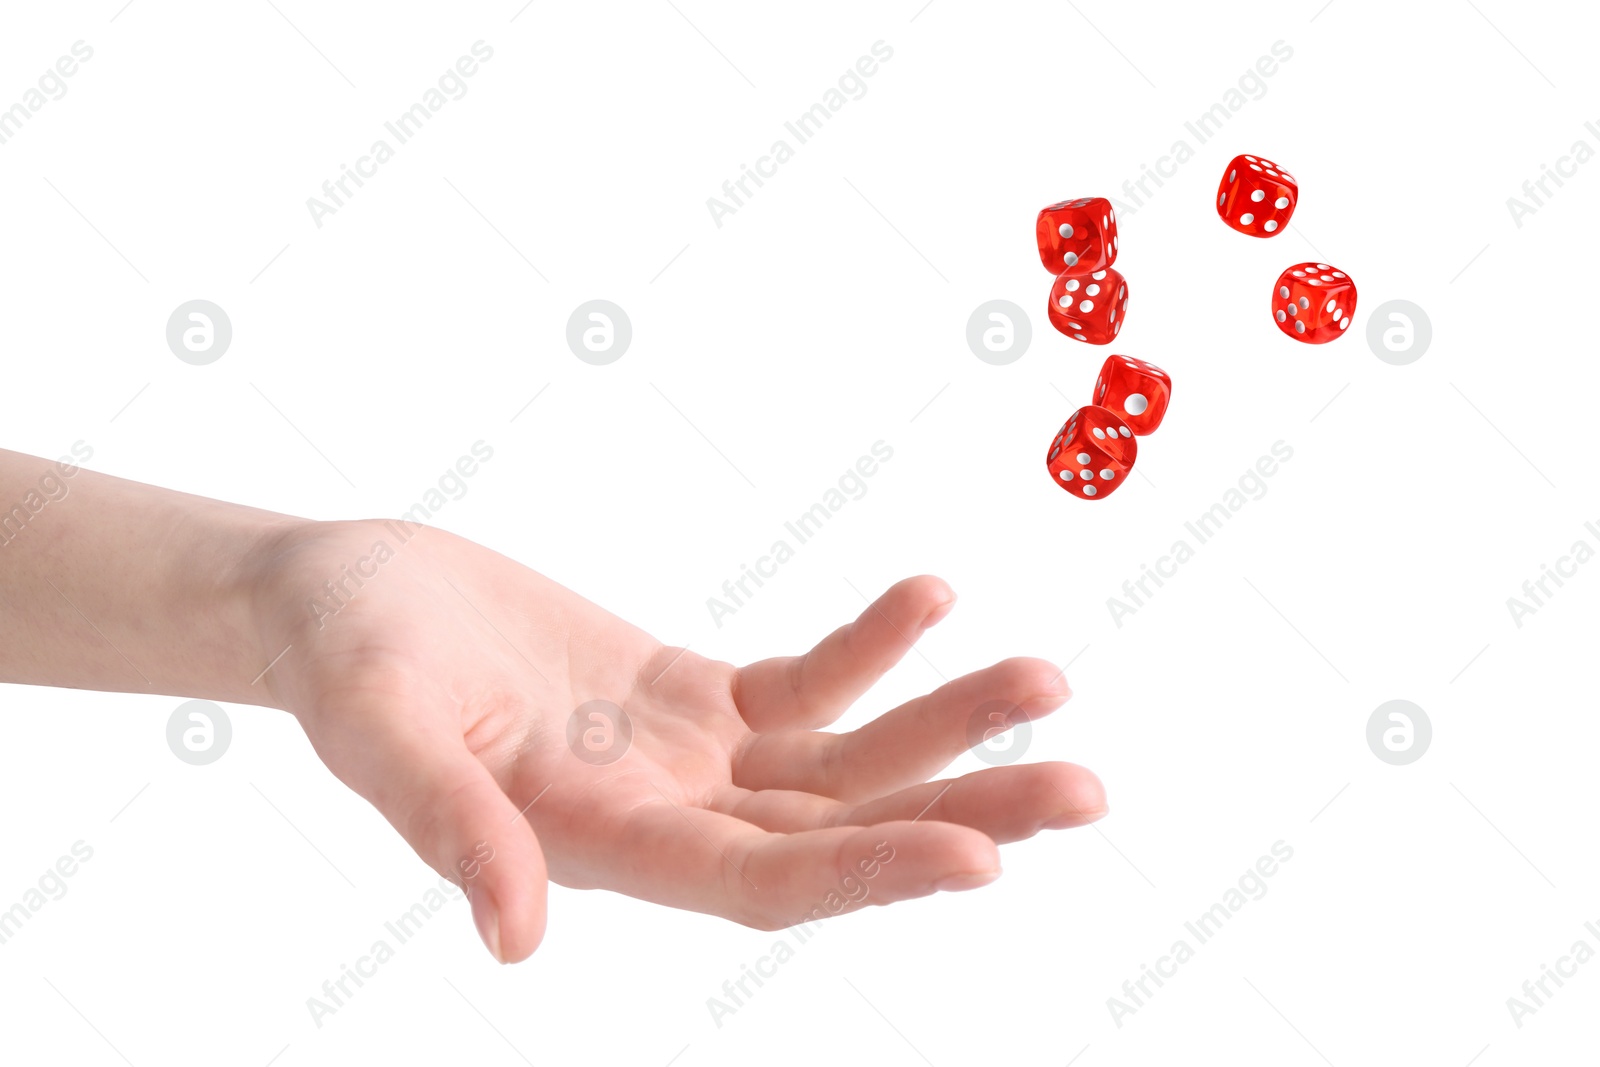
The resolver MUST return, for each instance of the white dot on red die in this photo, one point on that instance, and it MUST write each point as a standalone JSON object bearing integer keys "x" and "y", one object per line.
{"x": 1344, "y": 323}
{"x": 1065, "y": 301}
{"x": 1065, "y": 476}
{"x": 1247, "y": 218}
{"x": 1252, "y": 159}
{"x": 1299, "y": 274}
{"x": 1105, "y": 223}
{"x": 1070, "y": 259}
{"x": 1281, "y": 202}
{"x": 1113, "y": 317}
{"x": 1323, "y": 266}
{"x": 1097, "y": 275}
{"x": 1107, "y": 473}
{"x": 1089, "y": 490}
{"x": 1258, "y": 196}
{"x": 1270, "y": 225}
{"x": 1074, "y": 325}
{"x": 1281, "y": 315}
{"x": 1293, "y": 308}
{"x": 1072, "y": 285}
{"x": 1080, "y": 337}
{"x": 1098, "y": 432}
{"x": 1331, "y": 305}
{"x": 1124, "y": 431}
{"x": 1093, "y": 290}
{"x": 1084, "y": 457}
{"x": 1312, "y": 281}
{"x": 1305, "y": 302}
{"x": 1065, "y": 229}
{"x": 1337, "y": 312}
{"x": 1086, "y": 475}
{"x": 1336, "y": 274}
{"x": 1299, "y": 327}
{"x": 1113, "y": 244}
{"x": 1135, "y": 404}
{"x": 1283, "y": 291}
{"x": 1220, "y": 198}
{"x": 1327, "y": 277}
{"x": 1122, "y": 291}
{"x": 1255, "y": 168}
{"x": 1084, "y": 306}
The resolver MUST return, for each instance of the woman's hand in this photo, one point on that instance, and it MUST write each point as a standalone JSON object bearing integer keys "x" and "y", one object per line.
{"x": 440, "y": 680}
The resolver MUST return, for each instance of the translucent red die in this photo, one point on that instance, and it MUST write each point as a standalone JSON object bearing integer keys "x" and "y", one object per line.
{"x": 1093, "y": 453}
{"x": 1089, "y": 307}
{"x": 1078, "y": 235}
{"x": 1256, "y": 196}
{"x": 1136, "y": 391}
{"x": 1313, "y": 302}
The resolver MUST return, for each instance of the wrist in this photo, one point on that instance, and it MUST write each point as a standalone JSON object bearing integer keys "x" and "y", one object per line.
{"x": 300, "y": 577}
{"x": 226, "y": 571}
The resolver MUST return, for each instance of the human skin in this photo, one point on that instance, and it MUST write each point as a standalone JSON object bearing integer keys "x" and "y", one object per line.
{"x": 441, "y": 691}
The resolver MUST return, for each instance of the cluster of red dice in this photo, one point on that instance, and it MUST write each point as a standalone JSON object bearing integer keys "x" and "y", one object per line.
{"x": 1312, "y": 302}
{"x": 1093, "y": 453}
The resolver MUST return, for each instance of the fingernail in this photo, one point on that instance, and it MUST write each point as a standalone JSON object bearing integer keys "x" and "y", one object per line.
{"x": 956, "y": 883}
{"x": 940, "y": 610}
{"x": 487, "y": 919}
{"x": 1077, "y": 817}
{"x": 1057, "y": 690}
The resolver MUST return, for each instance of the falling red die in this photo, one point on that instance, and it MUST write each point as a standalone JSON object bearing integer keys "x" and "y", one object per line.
{"x": 1313, "y": 302}
{"x": 1078, "y": 235}
{"x": 1136, "y": 391}
{"x": 1256, "y": 196}
{"x": 1093, "y": 453}
{"x": 1090, "y": 306}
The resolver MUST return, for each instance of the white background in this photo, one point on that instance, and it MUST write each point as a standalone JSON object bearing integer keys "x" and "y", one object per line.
{"x": 768, "y": 354}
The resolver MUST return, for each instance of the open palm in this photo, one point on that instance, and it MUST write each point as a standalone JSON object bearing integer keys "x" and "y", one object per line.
{"x": 474, "y": 703}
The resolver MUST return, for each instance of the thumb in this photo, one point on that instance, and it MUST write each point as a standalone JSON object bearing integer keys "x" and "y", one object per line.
{"x": 458, "y": 819}
{"x": 463, "y": 825}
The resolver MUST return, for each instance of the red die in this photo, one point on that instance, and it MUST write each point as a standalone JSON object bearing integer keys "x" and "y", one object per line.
{"x": 1078, "y": 234}
{"x": 1256, "y": 196}
{"x": 1136, "y": 391}
{"x": 1089, "y": 306}
{"x": 1314, "y": 303}
{"x": 1093, "y": 453}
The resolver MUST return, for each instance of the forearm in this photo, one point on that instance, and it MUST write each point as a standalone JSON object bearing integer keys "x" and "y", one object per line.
{"x": 115, "y": 585}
